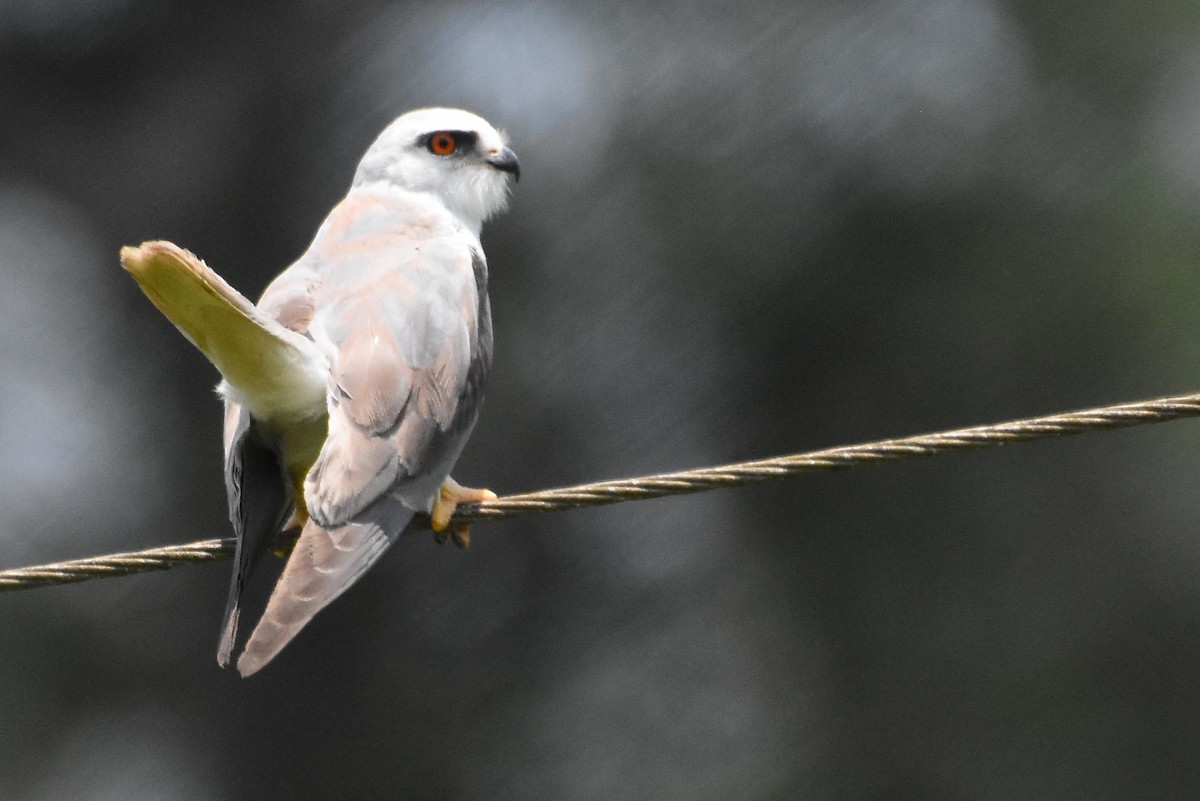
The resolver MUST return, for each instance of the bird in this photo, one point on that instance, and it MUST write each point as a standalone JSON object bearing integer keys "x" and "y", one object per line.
{"x": 351, "y": 387}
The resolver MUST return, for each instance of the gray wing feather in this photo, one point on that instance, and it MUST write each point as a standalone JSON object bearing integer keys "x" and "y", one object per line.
{"x": 258, "y": 506}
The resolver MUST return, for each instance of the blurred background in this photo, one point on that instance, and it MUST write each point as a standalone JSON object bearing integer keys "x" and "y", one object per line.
{"x": 744, "y": 229}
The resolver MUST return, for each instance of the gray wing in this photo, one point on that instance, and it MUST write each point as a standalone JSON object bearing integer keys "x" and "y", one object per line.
{"x": 411, "y": 344}
{"x": 258, "y": 507}
{"x": 404, "y": 318}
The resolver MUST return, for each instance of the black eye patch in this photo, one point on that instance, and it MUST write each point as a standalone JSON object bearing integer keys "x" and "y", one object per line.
{"x": 448, "y": 143}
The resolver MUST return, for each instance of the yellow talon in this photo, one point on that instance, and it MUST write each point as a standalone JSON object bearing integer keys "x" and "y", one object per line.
{"x": 449, "y": 496}
{"x": 462, "y": 535}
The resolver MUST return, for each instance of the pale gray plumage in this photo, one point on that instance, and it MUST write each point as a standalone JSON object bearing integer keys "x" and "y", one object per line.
{"x": 379, "y": 340}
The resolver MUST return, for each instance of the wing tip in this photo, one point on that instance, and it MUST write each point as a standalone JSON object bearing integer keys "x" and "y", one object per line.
{"x": 228, "y": 635}
{"x": 139, "y": 258}
{"x": 248, "y": 667}
{"x": 264, "y": 645}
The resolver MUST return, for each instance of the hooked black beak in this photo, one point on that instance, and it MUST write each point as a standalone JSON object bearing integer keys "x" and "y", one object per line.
{"x": 506, "y": 161}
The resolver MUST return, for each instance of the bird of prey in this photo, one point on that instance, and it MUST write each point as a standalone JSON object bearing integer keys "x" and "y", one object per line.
{"x": 352, "y": 386}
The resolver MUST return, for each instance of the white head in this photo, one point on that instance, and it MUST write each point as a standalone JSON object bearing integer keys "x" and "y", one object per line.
{"x": 450, "y": 153}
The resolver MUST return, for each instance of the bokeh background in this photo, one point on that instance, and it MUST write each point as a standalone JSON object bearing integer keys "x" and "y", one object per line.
{"x": 744, "y": 229}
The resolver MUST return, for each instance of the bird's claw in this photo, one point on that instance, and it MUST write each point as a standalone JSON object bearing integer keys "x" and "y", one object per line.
{"x": 459, "y": 532}
{"x": 449, "y": 496}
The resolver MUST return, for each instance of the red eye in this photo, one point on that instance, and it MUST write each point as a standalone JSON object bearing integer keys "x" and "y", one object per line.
{"x": 442, "y": 143}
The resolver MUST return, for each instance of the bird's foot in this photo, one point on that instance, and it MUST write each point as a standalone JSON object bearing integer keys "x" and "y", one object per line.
{"x": 290, "y": 532}
{"x": 449, "y": 496}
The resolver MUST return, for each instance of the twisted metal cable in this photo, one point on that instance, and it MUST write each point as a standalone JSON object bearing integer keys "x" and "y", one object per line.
{"x": 116, "y": 564}
{"x": 656, "y": 486}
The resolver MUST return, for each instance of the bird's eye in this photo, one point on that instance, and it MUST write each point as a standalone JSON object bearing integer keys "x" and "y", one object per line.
{"x": 443, "y": 143}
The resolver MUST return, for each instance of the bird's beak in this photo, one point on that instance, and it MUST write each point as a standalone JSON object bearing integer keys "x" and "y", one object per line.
{"x": 506, "y": 161}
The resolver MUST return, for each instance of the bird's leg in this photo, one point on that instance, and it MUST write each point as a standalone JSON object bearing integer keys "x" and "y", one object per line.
{"x": 449, "y": 496}
{"x": 290, "y": 532}
{"x": 299, "y": 518}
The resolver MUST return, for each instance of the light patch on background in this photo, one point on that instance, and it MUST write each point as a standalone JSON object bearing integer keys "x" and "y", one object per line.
{"x": 921, "y": 86}
{"x": 863, "y": 72}
{"x": 70, "y": 443}
{"x": 531, "y": 68}
{"x": 1173, "y": 126}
